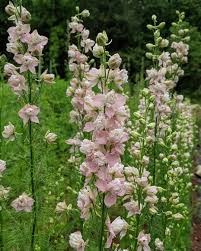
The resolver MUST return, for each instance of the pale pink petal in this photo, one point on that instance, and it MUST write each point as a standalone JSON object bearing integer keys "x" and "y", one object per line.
{"x": 110, "y": 199}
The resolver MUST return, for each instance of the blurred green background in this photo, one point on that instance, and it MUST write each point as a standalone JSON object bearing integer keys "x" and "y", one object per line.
{"x": 125, "y": 22}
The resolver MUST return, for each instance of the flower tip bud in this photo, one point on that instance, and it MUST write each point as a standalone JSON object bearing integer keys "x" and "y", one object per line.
{"x": 77, "y": 8}
{"x": 154, "y": 17}
{"x": 85, "y": 13}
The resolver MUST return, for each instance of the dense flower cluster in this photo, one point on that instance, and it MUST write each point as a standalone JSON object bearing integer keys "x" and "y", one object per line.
{"x": 104, "y": 115}
{"x": 27, "y": 48}
{"x": 157, "y": 142}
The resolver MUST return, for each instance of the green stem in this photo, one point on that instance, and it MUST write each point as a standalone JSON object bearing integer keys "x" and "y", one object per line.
{"x": 137, "y": 231}
{"x": 31, "y": 152}
{"x": 1, "y": 140}
{"x": 102, "y": 224}
{"x": 155, "y": 144}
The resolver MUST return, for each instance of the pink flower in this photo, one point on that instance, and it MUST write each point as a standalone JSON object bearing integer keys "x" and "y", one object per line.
{"x": 112, "y": 188}
{"x": 27, "y": 61}
{"x": 13, "y": 47}
{"x": 118, "y": 226}
{"x": 10, "y": 69}
{"x": 9, "y": 132}
{"x": 93, "y": 76}
{"x": 23, "y": 203}
{"x": 143, "y": 241}
{"x": 119, "y": 77}
{"x": 85, "y": 34}
{"x": 87, "y": 147}
{"x": 29, "y": 113}
{"x": 87, "y": 44}
{"x": 76, "y": 241}
{"x": 86, "y": 198}
{"x": 115, "y": 188}
{"x": 2, "y": 166}
{"x": 17, "y": 83}
{"x": 132, "y": 207}
{"x": 35, "y": 42}
{"x": 75, "y": 27}
{"x": 18, "y": 32}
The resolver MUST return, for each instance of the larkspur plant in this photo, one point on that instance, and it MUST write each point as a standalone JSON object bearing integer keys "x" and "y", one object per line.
{"x": 97, "y": 98}
{"x": 157, "y": 147}
{"x": 125, "y": 180}
{"x": 156, "y": 144}
{"x": 26, "y": 82}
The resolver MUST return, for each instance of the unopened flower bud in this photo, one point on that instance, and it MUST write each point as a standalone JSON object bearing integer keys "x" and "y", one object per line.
{"x": 150, "y": 46}
{"x": 173, "y": 36}
{"x": 77, "y": 8}
{"x": 164, "y": 43}
{"x": 50, "y": 137}
{"x": 186, "y": 39}
{"x": 102, "y": 39}
{"x": 25, "y": 15}
{"x": 114, "y": 61}
{"x": 181, "y": 32}
{"x": 153, "y": 210}
{"x": 149, "y": 55}
{"x": 98, "y": 51}
{"x": 47, "y": 78}
{"x": 61, "y": 206}
{"x": 85, "y": 13}
{"x": 150, "y": 27}
{"x": 145, "y": 91}
{"x": 10, "y": 9}
{"x": 154, "y": 17}
{"x": 161, "y": 25}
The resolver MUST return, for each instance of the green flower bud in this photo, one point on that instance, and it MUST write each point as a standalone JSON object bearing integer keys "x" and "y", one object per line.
{"x": 154, "y": 18}
{"x": 145, "y": 91}
{"x": 150, "y": 46}
{"x": 187, "y": 39}
{"x": 137, "y": 115}
{"x": 152, "y": 98}
{"x": 150, "y": 27}
{"x": 85, "y": 13}
{"x": 161, "y": 25}
{"x": 173, "y": 36}
{"x": 157, "y": 34}
{"x": 149, "y": 55}
{"x": 164, "y": 43}
{"x": 102, "y": 39}
{"x": 77, "y": 8}
{"x": 151, "y": 106}
{"x": 174, "y": 24}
